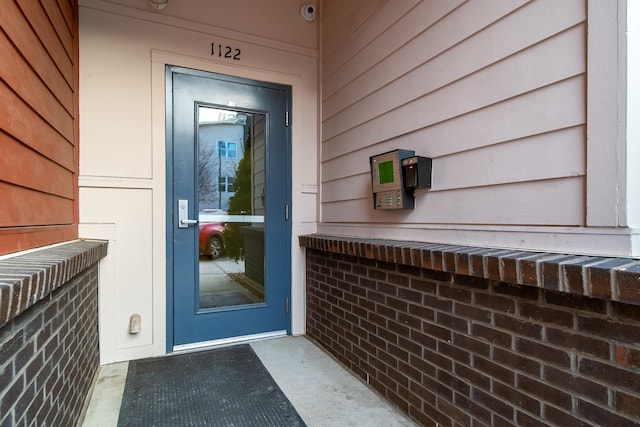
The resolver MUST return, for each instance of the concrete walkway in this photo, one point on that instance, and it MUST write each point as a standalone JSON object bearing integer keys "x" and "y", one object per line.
{"x": 322, "y": 391}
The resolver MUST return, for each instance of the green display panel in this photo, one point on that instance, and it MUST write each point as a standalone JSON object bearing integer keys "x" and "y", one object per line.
{"x": 385, "y": 170}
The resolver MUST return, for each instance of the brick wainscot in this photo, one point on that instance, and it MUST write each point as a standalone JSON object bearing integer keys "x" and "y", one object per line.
{"x": 48, "y": 333}
{"x": 470, "y": 336}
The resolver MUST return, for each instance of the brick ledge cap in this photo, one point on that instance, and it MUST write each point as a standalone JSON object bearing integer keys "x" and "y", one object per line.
{"x": 615, "y": 279}
{"x": 29, "y": 278}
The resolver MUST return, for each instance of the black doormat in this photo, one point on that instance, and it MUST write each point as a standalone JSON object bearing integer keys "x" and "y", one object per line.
{"x": 222, "y": 387}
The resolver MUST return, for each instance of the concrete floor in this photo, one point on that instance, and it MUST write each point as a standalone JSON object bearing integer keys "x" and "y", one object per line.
{"x": 321, "y": 390}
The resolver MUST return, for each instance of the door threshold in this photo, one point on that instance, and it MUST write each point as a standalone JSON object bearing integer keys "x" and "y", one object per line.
{"x": 223, "y": 342}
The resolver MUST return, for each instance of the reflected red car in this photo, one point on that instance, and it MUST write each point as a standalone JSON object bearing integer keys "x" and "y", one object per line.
{"x": 211, "y": 239}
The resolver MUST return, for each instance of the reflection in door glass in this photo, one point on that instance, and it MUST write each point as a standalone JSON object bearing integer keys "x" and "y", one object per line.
{"x": 231, "y": 193}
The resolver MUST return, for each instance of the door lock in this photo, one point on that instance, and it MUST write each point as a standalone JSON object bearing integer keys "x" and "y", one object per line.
{"x": 183, "y": 214}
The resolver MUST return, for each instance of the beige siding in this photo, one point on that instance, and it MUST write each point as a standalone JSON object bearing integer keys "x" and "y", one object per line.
{"x": 494, "y": 91}
{"x": 258, "y": 151}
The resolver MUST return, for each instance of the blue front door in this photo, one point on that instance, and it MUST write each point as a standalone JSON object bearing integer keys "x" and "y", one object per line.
{"x": 228, "y": 198}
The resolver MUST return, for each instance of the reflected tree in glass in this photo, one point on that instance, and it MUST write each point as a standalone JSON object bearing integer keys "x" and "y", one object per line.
{"x": 239, "y": 203}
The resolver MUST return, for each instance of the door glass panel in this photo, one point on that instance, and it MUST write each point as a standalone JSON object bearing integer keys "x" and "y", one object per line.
{"x": 231, "y": 199}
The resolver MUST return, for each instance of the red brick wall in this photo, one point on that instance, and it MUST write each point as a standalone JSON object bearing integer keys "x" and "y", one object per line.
{"x": 450, "y": 349}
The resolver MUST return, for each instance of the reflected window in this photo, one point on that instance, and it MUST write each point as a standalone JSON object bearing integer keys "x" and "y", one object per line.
{"x": 228, "y": 149}
{"x": 225, "y": 184}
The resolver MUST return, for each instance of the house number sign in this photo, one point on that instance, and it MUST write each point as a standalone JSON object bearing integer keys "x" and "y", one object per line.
{"x": 223, "y": 51}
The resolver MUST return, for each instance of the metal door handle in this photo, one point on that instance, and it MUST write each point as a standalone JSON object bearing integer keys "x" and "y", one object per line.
{"x": 183, "y": 214}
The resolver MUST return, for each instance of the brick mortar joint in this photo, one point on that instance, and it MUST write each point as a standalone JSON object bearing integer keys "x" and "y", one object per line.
{"x": 28, "y": 279}
{"x": 545, "y": 270}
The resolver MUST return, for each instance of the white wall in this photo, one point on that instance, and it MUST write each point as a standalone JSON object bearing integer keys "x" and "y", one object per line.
{"x": 123, "y": 52}
{"x": 496, "y": 92}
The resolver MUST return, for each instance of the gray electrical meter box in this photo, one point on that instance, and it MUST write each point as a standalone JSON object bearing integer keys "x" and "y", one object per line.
{"x": 387, "y": 181}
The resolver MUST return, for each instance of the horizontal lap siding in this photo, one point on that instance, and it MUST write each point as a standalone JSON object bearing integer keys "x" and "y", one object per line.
{"x": 258, "y": 156}
{"x": 38, "y": 130}
{"x": 494, "y": 91}
{"x": 471, "y": 205}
